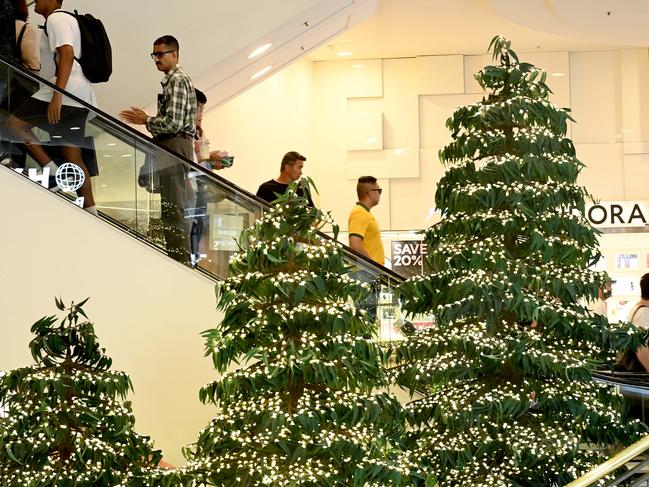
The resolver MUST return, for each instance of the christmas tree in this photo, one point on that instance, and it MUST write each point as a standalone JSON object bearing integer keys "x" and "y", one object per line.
{"x": 505, "y": 372}
{"x": 66, "y": 424}
{"x": 300, "y": 409}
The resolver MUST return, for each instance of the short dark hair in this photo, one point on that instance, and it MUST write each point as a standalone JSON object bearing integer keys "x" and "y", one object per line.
{"x": 169, "y": 41}
{"x": 291, "y": 158}
{"x": 201, "y": 99}
{"x": 363, "y": 185}
{"x": 644, "y": 286}
{"x": 20, "y": 9}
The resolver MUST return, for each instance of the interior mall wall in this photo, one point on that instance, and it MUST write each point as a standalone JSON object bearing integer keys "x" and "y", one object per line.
{"x": 150, "y": 326}
{"x": 386, "y": 117}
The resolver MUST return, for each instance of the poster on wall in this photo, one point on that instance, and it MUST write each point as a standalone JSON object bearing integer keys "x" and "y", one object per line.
{"x": 408, "y": 257}
{"x": 627, "y": 261}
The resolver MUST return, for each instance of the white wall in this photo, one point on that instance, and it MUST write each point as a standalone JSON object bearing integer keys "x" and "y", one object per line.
{"x": 386, "y": 117}
{"x": 264, "y": 123}
{"x": 148, "y": 310}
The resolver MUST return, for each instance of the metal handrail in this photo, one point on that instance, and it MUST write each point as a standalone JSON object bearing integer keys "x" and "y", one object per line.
{"x": 612, "y": 464}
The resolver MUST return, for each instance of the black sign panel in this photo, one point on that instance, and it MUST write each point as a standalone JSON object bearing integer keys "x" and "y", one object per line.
{"x": 408, "y": 256}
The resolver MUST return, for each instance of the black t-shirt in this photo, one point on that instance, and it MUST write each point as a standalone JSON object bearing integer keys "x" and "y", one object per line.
{"x": 267, "y": 191}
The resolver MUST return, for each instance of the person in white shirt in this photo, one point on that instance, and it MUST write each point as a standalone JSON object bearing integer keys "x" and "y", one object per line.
{"x": 63, "y": 118}
{"x": 599, "y": 306}
{"x": 639, "y": 316}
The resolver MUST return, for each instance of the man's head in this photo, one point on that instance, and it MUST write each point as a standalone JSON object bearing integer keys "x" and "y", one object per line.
{"x": 201, "y": 100}
{"x": 46, "y": 7}
{"x": 368, "y": 191}
{"x": 644, "y": 286}
{"x": 291, "y": 167}
{"x": 165, "y": 53}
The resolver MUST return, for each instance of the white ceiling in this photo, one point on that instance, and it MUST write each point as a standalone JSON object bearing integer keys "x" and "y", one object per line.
{"x": 215, "y": 39}
{"x": 406, "y": 28}
{"x": 216, "y": 36}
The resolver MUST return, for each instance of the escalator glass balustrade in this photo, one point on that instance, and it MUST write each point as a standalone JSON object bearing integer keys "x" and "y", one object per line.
{"x": 176, "y": 206}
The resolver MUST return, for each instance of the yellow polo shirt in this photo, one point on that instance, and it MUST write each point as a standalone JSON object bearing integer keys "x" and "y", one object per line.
{"x": 363, "y": 224}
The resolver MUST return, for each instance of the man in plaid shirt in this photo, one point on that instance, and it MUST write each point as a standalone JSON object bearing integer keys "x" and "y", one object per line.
{"x": 172, "y": 128}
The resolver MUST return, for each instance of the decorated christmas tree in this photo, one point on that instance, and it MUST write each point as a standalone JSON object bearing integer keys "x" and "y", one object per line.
{"x": 300, "y": 409}
{"x": 505, "y": 372}
{"x": 65, "y": 423}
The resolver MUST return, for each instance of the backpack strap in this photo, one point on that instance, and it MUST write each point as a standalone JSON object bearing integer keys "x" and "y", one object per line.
{"x": 44, "y": 27}
{"x": 636, "y": 310}
{"x": 19, "y": 41}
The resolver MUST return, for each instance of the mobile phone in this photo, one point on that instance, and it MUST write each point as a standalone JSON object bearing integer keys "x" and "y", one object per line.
{"x": 227, "y": 161}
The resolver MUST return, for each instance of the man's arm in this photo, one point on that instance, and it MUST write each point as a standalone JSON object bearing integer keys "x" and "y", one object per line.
{"x": 63, "y": 70}
{"x": 356, "y": 243}
{"x": 172, "y": 121}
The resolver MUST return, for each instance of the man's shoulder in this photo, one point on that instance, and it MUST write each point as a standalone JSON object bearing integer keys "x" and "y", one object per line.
{"x": 359, "y": 210}
{"x": 60, "y": 18}
{"x": 268, "y": 184}
{"x": 179, "y": 76}
{"x": 265, "y": 187}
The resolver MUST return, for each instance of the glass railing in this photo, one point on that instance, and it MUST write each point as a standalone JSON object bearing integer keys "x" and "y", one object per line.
{"x": 173, "y": 204}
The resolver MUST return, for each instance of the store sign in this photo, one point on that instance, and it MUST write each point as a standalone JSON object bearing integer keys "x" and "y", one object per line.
{"x": 69, "y": 177}
{"x": 618, "y": 213}
{"x": 408, "y": 256}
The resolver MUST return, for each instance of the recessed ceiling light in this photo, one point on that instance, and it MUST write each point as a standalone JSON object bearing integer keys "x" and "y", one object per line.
{"x": 344, "y": 53}
{"x": 261, "y": 72}
{"x": 558, "y": 75}
{"x": 260, "y": 50}
{"x": 111, "y": 144}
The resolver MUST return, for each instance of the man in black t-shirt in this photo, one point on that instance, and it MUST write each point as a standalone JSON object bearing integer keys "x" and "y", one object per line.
{"x": 289, "y": 171}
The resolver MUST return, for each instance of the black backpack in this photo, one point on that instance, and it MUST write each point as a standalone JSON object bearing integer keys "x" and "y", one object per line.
{"x": 97, "y": 58}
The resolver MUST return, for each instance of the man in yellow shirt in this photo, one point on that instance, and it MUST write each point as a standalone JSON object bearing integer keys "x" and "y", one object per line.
{"x": 364, "y": 233}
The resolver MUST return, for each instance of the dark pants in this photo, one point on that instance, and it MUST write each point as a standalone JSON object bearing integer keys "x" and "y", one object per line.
{"x": 174, "y": 197}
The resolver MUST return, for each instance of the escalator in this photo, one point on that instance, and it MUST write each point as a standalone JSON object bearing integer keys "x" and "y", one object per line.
{"x": 127, "y": 194}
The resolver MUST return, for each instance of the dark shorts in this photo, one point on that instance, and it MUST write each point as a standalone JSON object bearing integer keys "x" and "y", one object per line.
{"x": 70, "y": 130}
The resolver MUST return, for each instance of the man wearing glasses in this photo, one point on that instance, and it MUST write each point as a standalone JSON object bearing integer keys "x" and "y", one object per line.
{"x": 364, "y": 233}
{"x": 173, "y": 128}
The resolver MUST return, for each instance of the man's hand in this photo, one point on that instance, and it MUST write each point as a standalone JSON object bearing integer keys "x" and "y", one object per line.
{"x": 135, "y": 115}
{"x": 216, "y": 156}
{"x": 54, "y": 109}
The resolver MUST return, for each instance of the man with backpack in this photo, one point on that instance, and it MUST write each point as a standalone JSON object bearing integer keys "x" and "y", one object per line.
{"x": 63, "y": 118}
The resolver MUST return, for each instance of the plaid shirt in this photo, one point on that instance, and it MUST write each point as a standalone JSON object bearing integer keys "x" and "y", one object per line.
{"x": 176, "y": 105}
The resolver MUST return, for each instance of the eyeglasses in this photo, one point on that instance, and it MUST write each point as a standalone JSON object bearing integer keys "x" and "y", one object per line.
{"x": 379, "y": 190}
{"x": 159, "y": 54}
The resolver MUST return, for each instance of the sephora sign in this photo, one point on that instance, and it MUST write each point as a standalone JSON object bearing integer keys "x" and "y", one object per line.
{"x": 606, "y": 214}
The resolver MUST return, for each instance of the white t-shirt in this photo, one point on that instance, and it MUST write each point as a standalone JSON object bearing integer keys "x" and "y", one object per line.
{"x": 63, "y": 29}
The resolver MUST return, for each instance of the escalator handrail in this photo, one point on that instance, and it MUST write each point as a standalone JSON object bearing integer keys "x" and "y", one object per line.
{"x": 612, "y": 464}
{"x": 219, "y": 181}
{"x": 636, "y": 379}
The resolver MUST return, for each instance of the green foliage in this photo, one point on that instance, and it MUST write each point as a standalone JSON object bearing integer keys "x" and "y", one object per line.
{"x": 67, "y": 424}
{"x": 505, "y": 372}
{"x": 301, "y": 408}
